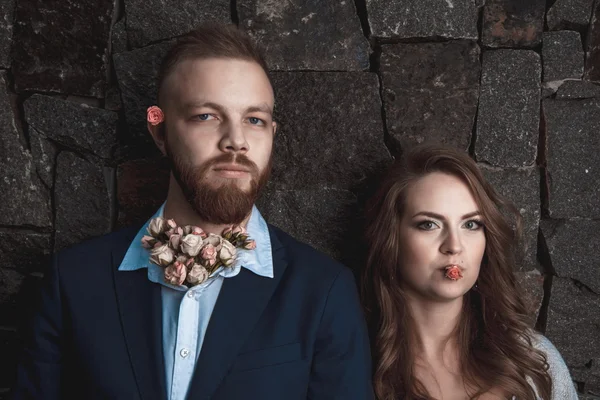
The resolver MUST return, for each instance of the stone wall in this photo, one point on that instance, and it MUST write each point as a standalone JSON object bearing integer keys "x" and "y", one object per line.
{"x": 515, "y": 83}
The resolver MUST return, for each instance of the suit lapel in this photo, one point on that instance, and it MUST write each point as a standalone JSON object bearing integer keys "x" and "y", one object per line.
{"x": 239, "y": 306}
{"x": 140, "y": 307}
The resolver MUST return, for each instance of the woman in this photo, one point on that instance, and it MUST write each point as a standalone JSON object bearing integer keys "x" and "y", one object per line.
{"x": 449, "y": 321}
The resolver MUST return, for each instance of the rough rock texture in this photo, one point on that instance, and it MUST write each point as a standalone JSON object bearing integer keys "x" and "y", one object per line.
{"x": 569, "y": 314}
{"x": 510, "y": 23}
{"x": 44, "y": 154}
{"x": 136, "y": 72}
{"x": 306, "y": 35}
{"x": 573, "y": 158}
{"x": 119, "y": 42}
{"x": 423, "y": 18}
{"x": 83, "y": 206}
{"x": 75, "y": 125}
{"x": 63, "y": 45}
{"x": 319, "y": 217}
{"x": 569, "y": 14}
{"x": 152, "y": 20}
{"x": 562, "y": 55}
{"x": 532, "y": 283}
{"x": 573, "y": 246}
{"x": 24, "y": 199}
{"x": 348, "y": 140}
{"x": 25, "y": 252}
{"x": 521, "y": 187}
{"x": 7, "y": 8}
{"x": 141, "y": 188}
{"x": 508, "y": 117}
{"x": 430, "y": 91}
{"x": 592, "y": 62}
{"x": 571, "y": 90}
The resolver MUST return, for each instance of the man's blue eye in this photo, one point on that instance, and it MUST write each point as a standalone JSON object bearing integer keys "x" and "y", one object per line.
{"x": 255, "y": 121}
{"x": 204, "y": 117}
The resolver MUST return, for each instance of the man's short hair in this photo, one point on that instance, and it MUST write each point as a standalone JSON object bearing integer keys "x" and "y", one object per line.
{"x": 211, "y": 41}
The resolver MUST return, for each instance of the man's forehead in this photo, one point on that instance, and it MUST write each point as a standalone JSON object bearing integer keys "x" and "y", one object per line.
{"x": 189, "y": 77}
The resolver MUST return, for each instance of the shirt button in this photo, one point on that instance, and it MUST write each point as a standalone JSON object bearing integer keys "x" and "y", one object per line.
{"x": 184, "y": 352}
{"x": 190, "y": 294}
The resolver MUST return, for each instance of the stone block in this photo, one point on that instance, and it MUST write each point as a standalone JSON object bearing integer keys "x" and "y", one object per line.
{"x": 573, "y": 90}
{"x": 522, "y": 188}
{"x": 142, "y": 187}
{"x": 569, "y": 14}
{"x": 509, "y": 108}
{"x": 562, "y": 55}
{"x": 532, "y": 286}
{"x": 25, "y": 252}
{"x": 573, "y": 246}
{"x": 322, "y": 35}
{"x": 423, "y": 18}
{"x": 44, "y": 154}
{"x": 572, "y": 326}
{"x": 330, "y": 131}
{"x": 153, "y": 20}
{"x": 592, "y": 60}
{"x": 573, "y": 160}
{"x": 25, "y": 200}
{"x": 320, "y": 217}
{"x": 137, "y": 72}
{"x": 430, "y": 92}
{"x": 510, "y": 23}
{"x": 82, "y": 200}
{"x": 74, "y": 125}
{"x": 119, "y": 42}
{"x": 7, "y": 9}
{"x": 63, "y": 46}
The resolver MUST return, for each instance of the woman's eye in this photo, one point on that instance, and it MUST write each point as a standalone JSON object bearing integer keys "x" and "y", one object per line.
{"x": 256, "y": 121}
{"x": 427, "y": 225}
{"x": 473, "y": 225}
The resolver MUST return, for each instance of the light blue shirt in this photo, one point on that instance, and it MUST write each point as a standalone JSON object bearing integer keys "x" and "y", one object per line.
{"x": 186, "y": 311}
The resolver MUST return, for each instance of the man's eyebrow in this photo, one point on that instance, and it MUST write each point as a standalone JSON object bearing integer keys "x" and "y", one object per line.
{"x": 204, "y": 104}
{"x": 441, "y": 217}
{"x": 258, "y": 108}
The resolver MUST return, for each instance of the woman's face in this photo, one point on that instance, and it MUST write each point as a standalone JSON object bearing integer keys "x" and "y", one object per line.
{"x": 441, "y": 226}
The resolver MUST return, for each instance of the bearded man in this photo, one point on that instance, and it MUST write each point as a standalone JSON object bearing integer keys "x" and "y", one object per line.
{"x": 128, "y": 316}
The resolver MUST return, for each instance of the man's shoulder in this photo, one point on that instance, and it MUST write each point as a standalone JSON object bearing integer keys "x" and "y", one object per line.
{"x": 305, "y": 259}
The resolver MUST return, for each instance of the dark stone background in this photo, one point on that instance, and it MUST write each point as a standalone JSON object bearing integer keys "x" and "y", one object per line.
{"x": 515, "y": 83}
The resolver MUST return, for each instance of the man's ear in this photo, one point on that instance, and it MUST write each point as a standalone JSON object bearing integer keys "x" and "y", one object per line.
{"x": 274, "y": 128}
{"x": 158, "y": 135}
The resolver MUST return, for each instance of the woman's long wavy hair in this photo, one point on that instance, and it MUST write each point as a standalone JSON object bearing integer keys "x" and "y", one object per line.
{"x": 494, "y": 333}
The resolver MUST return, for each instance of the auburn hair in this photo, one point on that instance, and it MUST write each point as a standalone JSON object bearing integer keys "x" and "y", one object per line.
{"x": 494, "y": 333}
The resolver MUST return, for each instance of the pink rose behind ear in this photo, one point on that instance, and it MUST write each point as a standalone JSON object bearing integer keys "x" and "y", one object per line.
{"x": 154, "y": 115}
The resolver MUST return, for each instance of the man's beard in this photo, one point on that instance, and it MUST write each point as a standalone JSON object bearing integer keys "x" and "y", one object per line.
{"x": 225, "y": 204}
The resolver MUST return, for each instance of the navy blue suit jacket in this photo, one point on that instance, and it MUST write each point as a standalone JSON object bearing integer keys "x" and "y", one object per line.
{"x": 97, "y": 333}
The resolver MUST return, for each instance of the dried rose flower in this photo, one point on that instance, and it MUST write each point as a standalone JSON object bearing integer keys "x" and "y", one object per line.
{"x": 154, "y": 115}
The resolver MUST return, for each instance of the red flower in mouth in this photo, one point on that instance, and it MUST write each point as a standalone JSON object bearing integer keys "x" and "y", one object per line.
{"x": 453, "y": 273}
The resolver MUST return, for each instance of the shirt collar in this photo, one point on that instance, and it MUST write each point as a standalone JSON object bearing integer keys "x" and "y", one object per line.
{"x": 259, "y": 261}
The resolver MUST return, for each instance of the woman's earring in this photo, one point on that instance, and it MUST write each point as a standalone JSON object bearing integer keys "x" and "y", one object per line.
{"x": 475, "y": 286}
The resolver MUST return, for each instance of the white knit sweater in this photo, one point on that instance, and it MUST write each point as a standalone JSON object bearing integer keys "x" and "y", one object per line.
{"x": 562, "y": 384}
